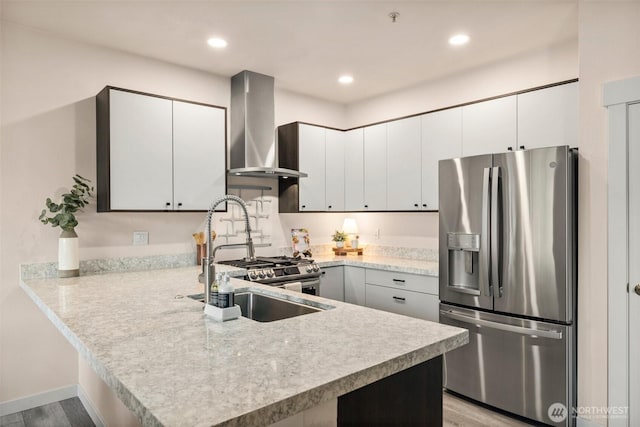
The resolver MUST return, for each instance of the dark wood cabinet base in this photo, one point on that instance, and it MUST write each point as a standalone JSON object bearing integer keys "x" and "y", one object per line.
{"x": 412, "y": 397}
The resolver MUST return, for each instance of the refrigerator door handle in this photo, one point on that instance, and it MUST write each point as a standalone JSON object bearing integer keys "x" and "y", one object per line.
{"x": 485, "y": 268}
{"x": 496, "y": 224}
{"x": 556, "y": 335}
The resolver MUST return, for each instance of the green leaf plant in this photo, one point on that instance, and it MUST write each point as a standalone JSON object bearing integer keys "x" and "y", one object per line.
{"x": 62, "y": 214}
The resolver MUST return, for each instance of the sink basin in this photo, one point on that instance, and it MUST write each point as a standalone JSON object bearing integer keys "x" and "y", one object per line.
{"x": 266, "y": 308}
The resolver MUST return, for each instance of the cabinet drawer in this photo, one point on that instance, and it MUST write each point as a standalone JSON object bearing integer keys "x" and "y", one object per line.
{"x": 406, "y": 281}
{"x": 408, "y": 303}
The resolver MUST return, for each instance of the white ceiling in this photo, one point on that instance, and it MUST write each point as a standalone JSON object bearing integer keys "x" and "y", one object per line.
{"x": 306, "y": 45}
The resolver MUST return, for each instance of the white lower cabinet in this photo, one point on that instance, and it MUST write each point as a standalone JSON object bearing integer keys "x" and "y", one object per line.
{"x": 409, "y": 303}
{"x": 332, "y": 283}
{"x": 354, "y": 288}
{"x": 403, "y": 293}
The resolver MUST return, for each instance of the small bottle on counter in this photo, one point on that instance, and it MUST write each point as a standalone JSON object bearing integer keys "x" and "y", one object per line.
{"x": 215, "y": 290}
{"x": 225, "y": 292}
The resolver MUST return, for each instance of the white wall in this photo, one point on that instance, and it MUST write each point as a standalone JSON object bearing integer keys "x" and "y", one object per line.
{"x": 535, "y": 69}
{"x": 609, "y": 35}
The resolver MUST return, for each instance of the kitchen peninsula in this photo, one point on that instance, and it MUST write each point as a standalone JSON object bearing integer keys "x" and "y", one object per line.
{"x": 171, "y": 365}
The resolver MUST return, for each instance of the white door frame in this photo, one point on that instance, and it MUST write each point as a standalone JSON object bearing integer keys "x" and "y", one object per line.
{"x": 616, "y": 97}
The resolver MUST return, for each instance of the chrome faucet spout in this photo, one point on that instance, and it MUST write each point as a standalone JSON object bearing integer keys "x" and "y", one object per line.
{"x": 209, "y": 269}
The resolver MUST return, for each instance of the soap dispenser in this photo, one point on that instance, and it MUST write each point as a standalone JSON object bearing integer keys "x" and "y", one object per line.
{"x": 225, "y": 292}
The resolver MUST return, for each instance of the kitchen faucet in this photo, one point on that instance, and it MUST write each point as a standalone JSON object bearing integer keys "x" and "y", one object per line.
{"x": 209, "y": 269}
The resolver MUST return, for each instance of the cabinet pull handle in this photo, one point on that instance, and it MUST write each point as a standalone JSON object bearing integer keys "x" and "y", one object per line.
{"x": 168, "y": 204}
{"x": 179, "y": 204}
{"x": 329, "y": 206}
{"x": 522, "y": 147}
{"x": 324, "y": 272}
{"x": 366, "y": 206}
{"x": 399, "y": 280}
{"x": 415, "y": 204}
{"x": 509, "y": 148}
{"x": 399, "y": 299}
{"x": 424, "y": 205}
{"x": 304, "y": 206}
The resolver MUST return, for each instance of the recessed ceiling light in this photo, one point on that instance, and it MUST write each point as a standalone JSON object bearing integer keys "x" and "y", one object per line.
{"x": 346, "y": 79}
{"x": 217, "y": 42}
{"x": 459, "y": 39}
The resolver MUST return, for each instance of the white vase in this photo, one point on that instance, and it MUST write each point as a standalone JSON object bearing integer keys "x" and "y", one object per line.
{"x": 68, "y": 254}
{"x": 339, "y": 244}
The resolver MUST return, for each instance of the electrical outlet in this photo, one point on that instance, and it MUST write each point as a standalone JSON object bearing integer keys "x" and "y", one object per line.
{"x": 140, "y": 238}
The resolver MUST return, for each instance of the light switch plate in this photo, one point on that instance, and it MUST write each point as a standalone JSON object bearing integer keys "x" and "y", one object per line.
{"x": 140, "y": 238}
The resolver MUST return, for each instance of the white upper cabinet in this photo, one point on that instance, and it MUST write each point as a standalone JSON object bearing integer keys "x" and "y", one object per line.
{"x": 441, "y": 139}
{"x": 489, "y": 126}
{"x": 312, "y": 156}
{"x": 354, "y": 170}
{"x": 548, "y": 117}
{"x": 335, "y": 163}
{"x": 375, "y": 168}
{"x": 198, "y": 153}
{"x": 403, "y": 164}
{"x": 393, "y": 166}
{"x": 140, "y": 158}
{"x": 157, "y": 154}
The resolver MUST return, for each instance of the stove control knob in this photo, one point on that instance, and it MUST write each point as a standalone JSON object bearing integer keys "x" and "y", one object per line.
{"x": 309, "y": 268}
{"x": 316, "y": 268}
{"x": 261, "y": 274}
{"x": 253, "y": 275}
{"x": 270, "y": 273}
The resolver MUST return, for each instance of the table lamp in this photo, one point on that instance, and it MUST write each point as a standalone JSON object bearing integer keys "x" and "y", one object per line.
{"x": 350, "y": 228}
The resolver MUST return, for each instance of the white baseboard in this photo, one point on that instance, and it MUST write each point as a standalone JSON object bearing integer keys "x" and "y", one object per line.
{"x": 44, "y": 398}
{"x": 88, "y": 405}
{"x": 52, "y": 396}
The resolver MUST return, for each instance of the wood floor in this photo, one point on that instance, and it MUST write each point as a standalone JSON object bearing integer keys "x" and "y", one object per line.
{"x": 70, "y": 413}
{"x": 457, "y": 412}
{"x": 66, "y": 413}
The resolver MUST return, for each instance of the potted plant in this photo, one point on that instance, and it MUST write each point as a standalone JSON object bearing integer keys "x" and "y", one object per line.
{"x": 339, "y": 237}
{"x": 62, "y": 215}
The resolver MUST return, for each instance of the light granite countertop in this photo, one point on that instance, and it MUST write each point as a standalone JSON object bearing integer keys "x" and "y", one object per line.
{"x": 404, "y": 265}
{"x": 172, "y": 365}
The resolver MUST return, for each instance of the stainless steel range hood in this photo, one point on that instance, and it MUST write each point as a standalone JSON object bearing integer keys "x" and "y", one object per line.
{"x": 253, "y": 148}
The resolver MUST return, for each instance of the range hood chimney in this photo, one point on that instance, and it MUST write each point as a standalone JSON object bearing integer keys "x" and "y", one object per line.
{"x": 253, "y": 149}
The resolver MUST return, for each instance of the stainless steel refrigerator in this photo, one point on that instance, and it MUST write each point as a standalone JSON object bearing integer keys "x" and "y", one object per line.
{"x": 508, "y": 275}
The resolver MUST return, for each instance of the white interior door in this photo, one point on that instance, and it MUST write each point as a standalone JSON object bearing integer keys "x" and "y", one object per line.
{"x": 622, "y": 99}
{"x": 634, "y": 267}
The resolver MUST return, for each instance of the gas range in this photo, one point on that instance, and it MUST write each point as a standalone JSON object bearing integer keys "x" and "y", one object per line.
{"x": 278, "y": 271}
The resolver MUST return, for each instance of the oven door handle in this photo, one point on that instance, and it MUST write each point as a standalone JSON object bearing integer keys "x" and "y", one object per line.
{"x": 309, "y": 283}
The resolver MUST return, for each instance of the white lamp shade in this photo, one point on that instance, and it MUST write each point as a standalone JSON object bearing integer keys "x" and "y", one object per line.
{"x": 350, "y": 226}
